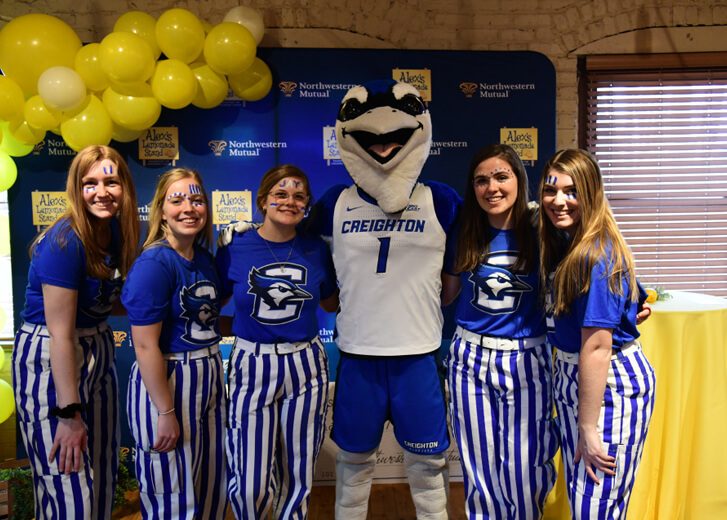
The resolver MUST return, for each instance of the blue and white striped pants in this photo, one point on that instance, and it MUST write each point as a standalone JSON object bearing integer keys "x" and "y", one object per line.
{"x": 276, "y": 426}
{"x": 501, "y": 404}
{"x": 89, "y": 493}
{"x": 190, "y": 481}
{"x": 624, "y": 420}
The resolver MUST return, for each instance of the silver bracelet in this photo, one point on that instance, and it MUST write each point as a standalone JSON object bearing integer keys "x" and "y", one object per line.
{"x": 170, "y": 411}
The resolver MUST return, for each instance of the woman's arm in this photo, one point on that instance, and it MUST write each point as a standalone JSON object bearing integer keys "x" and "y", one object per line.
{"x": 593, "y": 364}
{"x": 71, "y": 438}
{"x": 153, "y": 369}
{"x": 330, "y": 304}
{"x": 450, "y": 288}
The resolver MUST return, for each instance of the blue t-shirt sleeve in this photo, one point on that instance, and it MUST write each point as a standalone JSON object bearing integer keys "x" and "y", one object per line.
{"x": 447, "y": 203}
{"x": 600, "y": 307}
{"x": 450, "y": 251}
{"x": 328, "y": 282}
{"x": 61, "y": 265}
{"x": 222, "y": 263}
{"x": 148, "y": 292}
{"x": 320, "y": 221}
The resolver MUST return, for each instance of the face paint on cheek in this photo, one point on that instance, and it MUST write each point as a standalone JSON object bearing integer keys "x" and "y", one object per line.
{"x": 273, "y": 204}
{"x": 89, "y": 189}
{"x": 195, "y": 189}
{"x": 551, "y": 179}
{"x": 571, "y": 195}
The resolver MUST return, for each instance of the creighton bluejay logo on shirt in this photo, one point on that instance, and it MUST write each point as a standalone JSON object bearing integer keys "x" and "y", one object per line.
{"x": 108, "y": 292}
{"x": 278, "y": 295}
{"x": 495, "y": 289}
{"x": 200, "y": 310}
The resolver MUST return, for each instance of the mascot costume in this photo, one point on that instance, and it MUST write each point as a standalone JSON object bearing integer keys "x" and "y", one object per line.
{"x": 387, "y": 234}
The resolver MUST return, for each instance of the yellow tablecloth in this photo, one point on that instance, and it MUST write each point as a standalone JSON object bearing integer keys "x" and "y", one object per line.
{"x": 683, "y": 473}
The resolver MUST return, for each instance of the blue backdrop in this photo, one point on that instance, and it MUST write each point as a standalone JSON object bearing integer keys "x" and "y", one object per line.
{"x": 473, "y": 96}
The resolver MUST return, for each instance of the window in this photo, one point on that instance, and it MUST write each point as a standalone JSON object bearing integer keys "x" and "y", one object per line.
{"x": 658, "y": 126}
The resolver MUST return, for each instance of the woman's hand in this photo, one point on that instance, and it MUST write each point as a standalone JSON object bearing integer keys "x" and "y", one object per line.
{"x": 70, "y": 441}
{"x": 589, "y": 449}
{"x": 167, "y": 433}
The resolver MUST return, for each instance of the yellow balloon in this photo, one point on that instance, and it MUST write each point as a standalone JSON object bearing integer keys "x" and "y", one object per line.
{"x": 180, "y": 34}
{"x": 61, "y": 88}
{"x": 173, "y": 84}
{"x": 7, "y": 401}
{"x": 141, "y": 24}
{"x": 211, "y": 87}
{"x": 131, "y": 112}
{"x": 90, "y": 126}
{"x": 11, "y": 99}
{"x": 10, "y": 145}
{"x": 8, "y": 171}
{"x": 253, "y": 84}
{"x": 2, "y": 322}
{"x": 124, "y": 135}
{"x": 31, "y": 43}
{"x": 39, "y": 116}
{"x": 251, "y": 19}
{"x": 88, "y": 66}
{"x": 139, "y": 89}
{"x": 126, "y": 57}
{"x": 25, "y": 133}
{"x": 229, "y": 48}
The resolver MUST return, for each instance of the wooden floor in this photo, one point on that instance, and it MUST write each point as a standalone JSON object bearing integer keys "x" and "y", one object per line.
{"x": 388, "y": 502}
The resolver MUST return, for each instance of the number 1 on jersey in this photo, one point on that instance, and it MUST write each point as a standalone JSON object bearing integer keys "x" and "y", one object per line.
{"x": 383, "y": 254}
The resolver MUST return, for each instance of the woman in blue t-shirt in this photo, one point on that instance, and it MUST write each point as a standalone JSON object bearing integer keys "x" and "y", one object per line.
{"x": 175, "y": 400}
{"x": 278, "y": 371}
{"x": 499, "y": 365}
{"x": 603, "y": 383}
{"x": 63, "y": 362}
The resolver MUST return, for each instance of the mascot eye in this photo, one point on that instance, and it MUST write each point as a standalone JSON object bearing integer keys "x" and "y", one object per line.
{"x": 351, "y": 109}
{"x": 412, "y": 105}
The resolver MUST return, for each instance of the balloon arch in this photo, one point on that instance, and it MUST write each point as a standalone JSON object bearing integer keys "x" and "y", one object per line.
{"x": 116, "y": 88}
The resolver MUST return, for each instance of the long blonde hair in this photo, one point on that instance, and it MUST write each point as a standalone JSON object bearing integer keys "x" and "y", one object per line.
{"x": 596, "y": 236}
{"x": 82, "y": 222}
{"x": 158, "y": 227}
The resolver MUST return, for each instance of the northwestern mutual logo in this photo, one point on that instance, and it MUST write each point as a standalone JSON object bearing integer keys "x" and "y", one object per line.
{"x": 287, "y": 87}
{"x": 217, "y": 146}
{"x": 494, "y": 90}
{"x": 246, "y": 148}
{"x": 314, "y": 89}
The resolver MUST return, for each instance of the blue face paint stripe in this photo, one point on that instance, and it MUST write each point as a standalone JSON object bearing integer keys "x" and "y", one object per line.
{"x": 551, "y": 179}
{"x": 195, "y": 189}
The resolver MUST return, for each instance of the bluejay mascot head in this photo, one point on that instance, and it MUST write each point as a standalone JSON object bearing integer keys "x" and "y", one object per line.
{"x": 384, "y": 133}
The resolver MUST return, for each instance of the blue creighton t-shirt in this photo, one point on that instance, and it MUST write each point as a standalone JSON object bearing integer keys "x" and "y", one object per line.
{"x": 599, "y": 307}
{"x": 184, "y": 295}
{"x": 59, "y": 259}
{"x": 276, "y": 286}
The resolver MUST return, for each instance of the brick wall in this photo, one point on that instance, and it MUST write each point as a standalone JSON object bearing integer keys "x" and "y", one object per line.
{"x": 559, "y": 29}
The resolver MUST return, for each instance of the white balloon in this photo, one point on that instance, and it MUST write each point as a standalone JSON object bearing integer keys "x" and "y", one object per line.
{"x": 61, "y": 88}
{"x": 249, "y": 18}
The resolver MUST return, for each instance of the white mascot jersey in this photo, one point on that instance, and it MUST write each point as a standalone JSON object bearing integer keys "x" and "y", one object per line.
{"x": 375, "y": 253}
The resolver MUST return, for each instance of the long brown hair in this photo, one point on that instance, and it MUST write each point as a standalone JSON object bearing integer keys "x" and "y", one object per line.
{"x": 158, "y": 227}
{"x": 474, "y": 234}
{"x": 83, "y": 223}
{"x": 596, "y": 235}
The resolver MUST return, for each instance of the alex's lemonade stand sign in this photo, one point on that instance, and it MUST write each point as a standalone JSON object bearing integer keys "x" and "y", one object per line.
{"x": 159, "y": 143}
{"x": 229, "y": 206}
{"x": 47, "y": 206}
{"x": 523, "y": 140}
